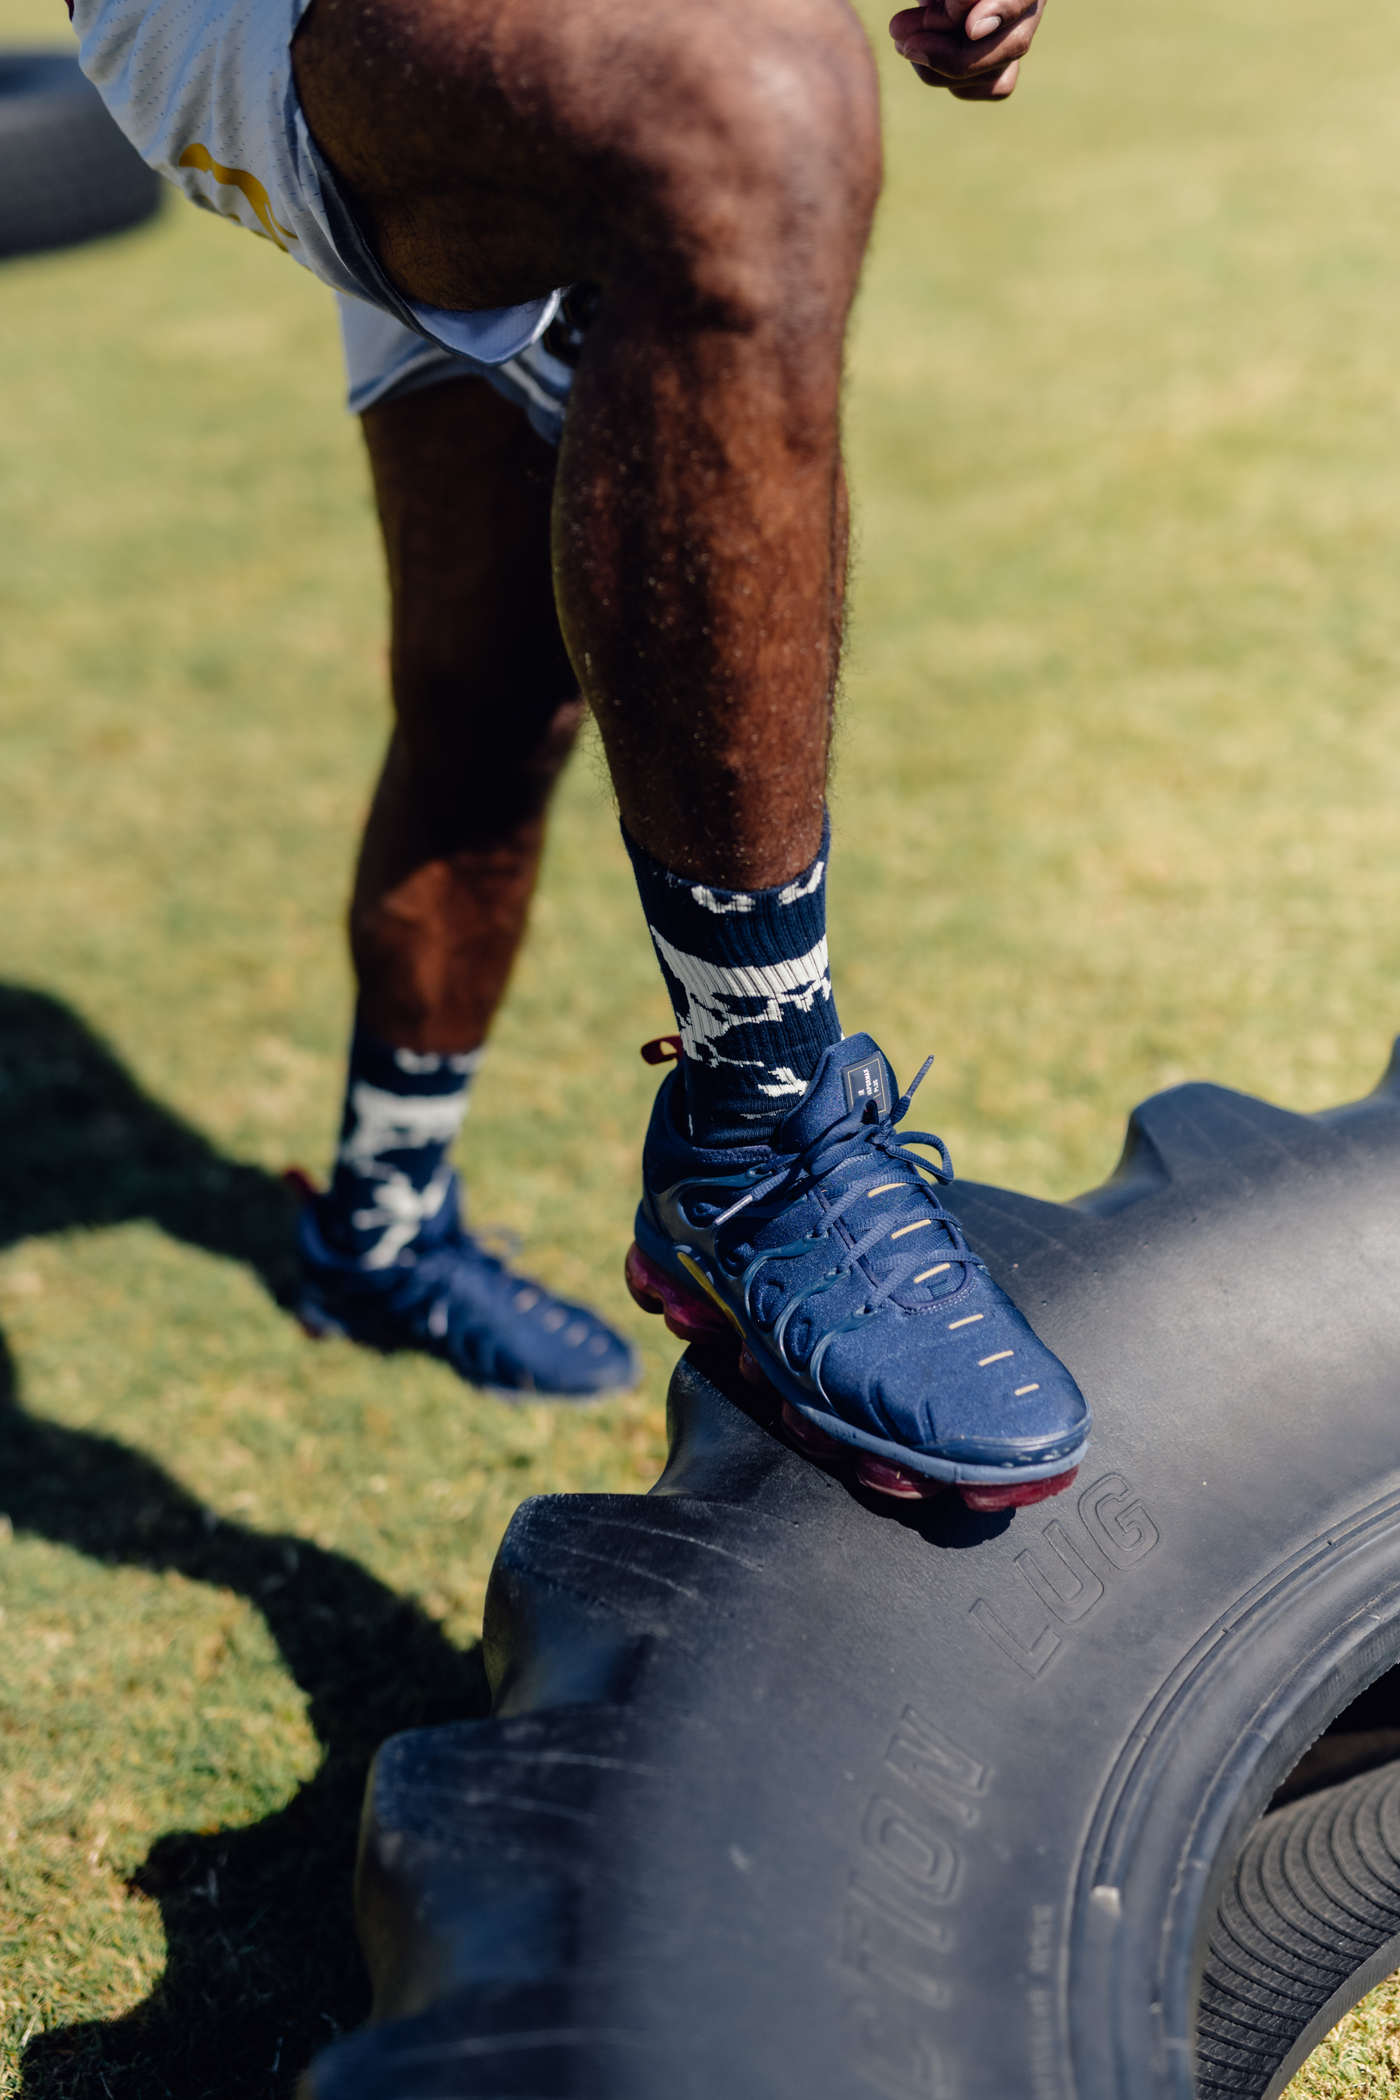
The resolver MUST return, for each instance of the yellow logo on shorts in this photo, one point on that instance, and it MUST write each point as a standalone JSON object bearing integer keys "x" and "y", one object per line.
{"x": 239, "y": 179}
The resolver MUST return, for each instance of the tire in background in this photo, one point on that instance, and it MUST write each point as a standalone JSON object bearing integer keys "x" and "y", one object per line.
{"x": 1308, "y": 1923}
{"x": 67, "y": 174}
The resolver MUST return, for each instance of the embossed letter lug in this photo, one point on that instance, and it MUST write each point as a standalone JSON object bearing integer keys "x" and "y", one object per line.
{"x": 1117, "y": 1523}
{"x": 1063, "y": 1574}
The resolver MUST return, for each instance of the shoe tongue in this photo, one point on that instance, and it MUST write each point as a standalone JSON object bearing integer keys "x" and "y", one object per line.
{"x": 850, "y": 1074}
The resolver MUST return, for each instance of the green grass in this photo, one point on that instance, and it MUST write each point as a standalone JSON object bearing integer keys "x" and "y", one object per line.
{"x": 1360, "y": 2059}
{"x": 1115, "y": 795}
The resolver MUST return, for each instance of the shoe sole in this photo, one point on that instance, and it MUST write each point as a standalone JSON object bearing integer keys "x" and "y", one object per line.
{"x": 695, "y": 1319}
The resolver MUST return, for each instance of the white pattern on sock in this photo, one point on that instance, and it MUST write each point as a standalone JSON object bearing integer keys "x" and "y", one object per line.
{"x": 716, "y": 994}
{"x": 384, "y": 1122}
{"x": 787, "y": 1082}
{"x": 419, "y": 1062}
{"x": 738, "y": 901}
{"x": 795, "y": 891}
{"x": 398, "y": 1211}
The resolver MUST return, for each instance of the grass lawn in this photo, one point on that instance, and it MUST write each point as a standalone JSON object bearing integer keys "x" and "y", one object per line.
{"x": 1116, "y": 807}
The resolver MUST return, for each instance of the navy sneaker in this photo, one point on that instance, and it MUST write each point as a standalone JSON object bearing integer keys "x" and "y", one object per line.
{"x": 449, "y": 1297}
{"x": 855, "y": 1293}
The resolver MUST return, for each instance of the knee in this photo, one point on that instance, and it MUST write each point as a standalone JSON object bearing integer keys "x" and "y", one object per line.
{"x": 756, "y": 160}
{"x": 467, "y": 777}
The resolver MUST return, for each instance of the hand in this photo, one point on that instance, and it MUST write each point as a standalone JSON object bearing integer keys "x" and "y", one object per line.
{"x": 973, "y": 48}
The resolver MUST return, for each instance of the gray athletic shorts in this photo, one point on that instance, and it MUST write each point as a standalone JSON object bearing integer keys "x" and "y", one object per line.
{"x": 204, "y": 91}
{"x": 382, "y": 358}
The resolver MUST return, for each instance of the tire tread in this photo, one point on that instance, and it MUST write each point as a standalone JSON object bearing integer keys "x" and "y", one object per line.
{"x": 1313, "y": 1895}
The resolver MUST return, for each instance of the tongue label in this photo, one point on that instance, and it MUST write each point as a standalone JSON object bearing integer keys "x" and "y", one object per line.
{"x": 866, "y": 1082}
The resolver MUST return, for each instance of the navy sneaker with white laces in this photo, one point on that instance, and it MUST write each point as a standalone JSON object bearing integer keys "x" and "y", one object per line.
{"x": 446, "y": 1295}
{"x": 855, "y": 1293}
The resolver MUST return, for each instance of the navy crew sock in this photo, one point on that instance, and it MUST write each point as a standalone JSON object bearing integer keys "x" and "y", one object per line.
{"x": 403, "y": 1110}
{"x": 748, "y": 977}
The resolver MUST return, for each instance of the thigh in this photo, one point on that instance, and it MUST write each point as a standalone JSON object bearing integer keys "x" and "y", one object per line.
{"x": 470, "y": 197}
{"x": 493, "y": 153}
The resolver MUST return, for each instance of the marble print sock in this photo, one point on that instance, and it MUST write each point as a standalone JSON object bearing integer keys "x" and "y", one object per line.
{"x": 403, "y": 1110}
{"x": 748, "y": 977}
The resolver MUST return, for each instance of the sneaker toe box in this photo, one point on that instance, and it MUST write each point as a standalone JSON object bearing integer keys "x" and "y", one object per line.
{"x": 570, "y": 1351}
{"x": 968, "y": 1382}
{"x": 527, "y": 1340}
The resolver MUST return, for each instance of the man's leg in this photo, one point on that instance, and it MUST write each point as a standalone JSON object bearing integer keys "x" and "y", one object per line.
{"x": 487, "y": 709}
{"x": 712, "y": 167}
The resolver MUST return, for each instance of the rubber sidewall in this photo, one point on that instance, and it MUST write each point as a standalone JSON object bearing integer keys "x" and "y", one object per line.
{"x": 66, "y": 172}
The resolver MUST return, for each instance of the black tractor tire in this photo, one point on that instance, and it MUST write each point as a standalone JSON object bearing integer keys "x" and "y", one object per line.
{"x": 67, "y": 173}
{"x": 791, "y": 1793}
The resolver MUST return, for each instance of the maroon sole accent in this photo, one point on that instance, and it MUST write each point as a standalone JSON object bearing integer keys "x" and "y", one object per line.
{"x": 299, "y": 1183}
{"x": 752, "y": 1371}
{"x": 814, "y": 1442}
{"x": 318, "y": 1326}
{"x": 689, "y": 1315}
{"x": 903, "y": 1483}
{"x": 900, "y": 1481}
{"x": 878, "y": 1473}
{"x": 1018, "y": 1497}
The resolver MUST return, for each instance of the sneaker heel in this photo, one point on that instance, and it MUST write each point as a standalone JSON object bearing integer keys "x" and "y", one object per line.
{"x": 316, "y": 1325}
{"x": 297, "y": 1182}
{"x": 1017, "y": 1497}
{"x": 690, "y": 1319}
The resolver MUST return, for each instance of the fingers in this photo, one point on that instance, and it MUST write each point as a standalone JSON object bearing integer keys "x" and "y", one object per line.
{"x": 982, "y": 18}
{"x": 971, "y": 47}
{"x": 979, "y": 19}
{"x": 994, "y": 90}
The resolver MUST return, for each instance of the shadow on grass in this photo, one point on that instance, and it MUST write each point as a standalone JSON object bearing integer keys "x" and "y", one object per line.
{"x": 80, "y": 1144}
{"x": 262, "y": 1968}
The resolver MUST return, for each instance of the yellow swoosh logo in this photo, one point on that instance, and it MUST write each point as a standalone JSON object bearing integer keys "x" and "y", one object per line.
{"x": 239, "y": 179}
{"x": 693, "y": 1268}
